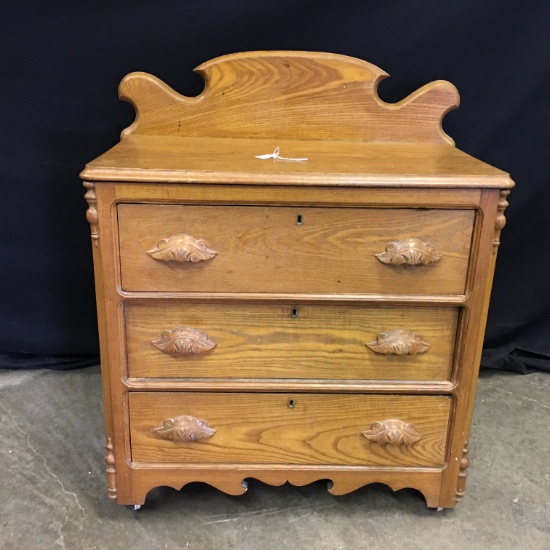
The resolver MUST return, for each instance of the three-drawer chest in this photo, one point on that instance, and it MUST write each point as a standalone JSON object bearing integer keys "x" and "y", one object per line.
{"x": 292, "y": 281}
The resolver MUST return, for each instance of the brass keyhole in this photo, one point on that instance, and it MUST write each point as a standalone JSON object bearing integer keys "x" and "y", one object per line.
{"x": 294, "y": 313}
{"x": 291, "y": 403}
{"x": 299, "y": 219}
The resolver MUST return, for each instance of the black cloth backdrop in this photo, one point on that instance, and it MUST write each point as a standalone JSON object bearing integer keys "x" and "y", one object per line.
{"x": 61, "y": 63}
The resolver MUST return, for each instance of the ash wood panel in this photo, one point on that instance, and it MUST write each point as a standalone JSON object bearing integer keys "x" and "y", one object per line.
{"x": 469, "y": 353}
{"x": 258, "y": 340}
{"x": 263, "y": 249}
{"x": 112, "y": 346}
{"x": 305, "y": 95}
{"x": 267, "y": 429}
{"x": 331, "y": 164}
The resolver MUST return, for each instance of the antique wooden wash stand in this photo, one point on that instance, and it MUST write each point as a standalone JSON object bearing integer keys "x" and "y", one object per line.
{"x": 290, "y": 320}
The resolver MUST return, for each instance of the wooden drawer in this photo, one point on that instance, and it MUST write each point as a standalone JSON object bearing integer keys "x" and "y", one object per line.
{"x": 246, "y": 428}
{"x": 270, "y": 340}
{"x": 291, "y": 249}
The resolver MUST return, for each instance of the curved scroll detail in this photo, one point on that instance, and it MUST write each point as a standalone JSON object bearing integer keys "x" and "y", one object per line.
{"x": 181, "y": 248}
{"x": 183, "y": 340}
{"x": 234, "y": 481}
{"x": 393, "y": 432}
{"x": 411, "y": 251}
{"x": 399, "y": 342}
{"x": 281, "y": 94}
{"x": 184, "y": 428}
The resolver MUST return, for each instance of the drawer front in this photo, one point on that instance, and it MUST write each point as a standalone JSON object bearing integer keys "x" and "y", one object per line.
{"x": 268, "y": 340}
{"x": 293, "y": 250}
{"x": 244, "y": 428}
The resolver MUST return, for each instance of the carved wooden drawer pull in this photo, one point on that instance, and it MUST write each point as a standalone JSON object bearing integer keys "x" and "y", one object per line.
{"x": 399, "y": 342}
{"x": 181, "y": 248}
{"x": 184, "y": 428}
{"x": 183, "y": 340}
{"x": 409, "y": 251}
{"x": 393, "y": 432}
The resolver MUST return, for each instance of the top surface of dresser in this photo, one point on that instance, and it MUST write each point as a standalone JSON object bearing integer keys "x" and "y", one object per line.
{"x": 174, "y": 159}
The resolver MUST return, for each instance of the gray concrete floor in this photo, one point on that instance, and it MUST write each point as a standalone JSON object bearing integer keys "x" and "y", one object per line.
{"x": 53, "y": 490}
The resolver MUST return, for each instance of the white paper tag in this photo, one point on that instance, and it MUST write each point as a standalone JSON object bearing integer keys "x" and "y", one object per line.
{"x": 275, "y": 155}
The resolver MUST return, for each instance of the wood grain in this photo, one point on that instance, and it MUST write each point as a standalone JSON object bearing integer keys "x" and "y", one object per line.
{"x": 289, "y": 428}
{"x": 259, "y": 340}
{"x": 112, "y": 347}
{"x": 471, "y": 343}
{"x": 263, "y": 249}
{"x": 233, "y": 161}
{"x": 278, "y": 94}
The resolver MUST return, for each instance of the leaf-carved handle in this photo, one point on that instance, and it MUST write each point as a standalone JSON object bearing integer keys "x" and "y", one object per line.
{"x": 181, "y": 248}
{"x": 411, "y": 251}
{"x": 183, "y": 340}
{"x": 393, "y": 432}
{"x": 184, "y": 428}
{"x": 399, "y": 342}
